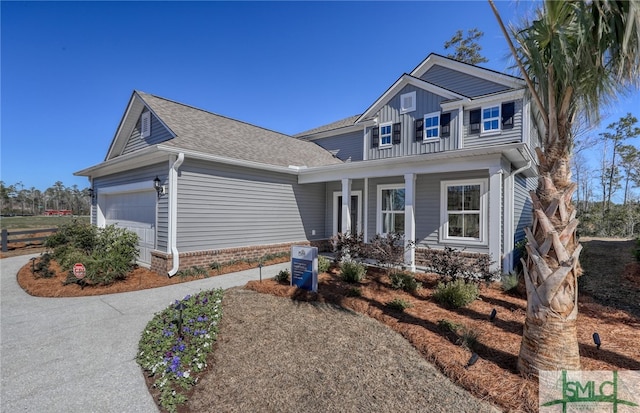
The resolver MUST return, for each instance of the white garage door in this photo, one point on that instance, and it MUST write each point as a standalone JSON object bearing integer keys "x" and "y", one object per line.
{"x": 135, "y": 211}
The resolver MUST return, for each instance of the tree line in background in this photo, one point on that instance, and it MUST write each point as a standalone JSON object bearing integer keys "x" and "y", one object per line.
{"x": 16, "y": 199}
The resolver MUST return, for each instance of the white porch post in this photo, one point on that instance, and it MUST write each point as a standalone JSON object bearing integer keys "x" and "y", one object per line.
{"x": 410, "y": 221}
{"x": 495, "y": 217}
{"x": 346, "y": 206}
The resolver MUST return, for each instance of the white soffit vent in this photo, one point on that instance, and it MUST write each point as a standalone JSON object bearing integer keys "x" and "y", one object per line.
{"x": 408, "y": 102}
{"x": 145, "y": 124}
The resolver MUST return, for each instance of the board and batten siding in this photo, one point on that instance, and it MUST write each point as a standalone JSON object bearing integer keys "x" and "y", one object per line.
{"x": 462, "y": 83}
{"x": 144, "y": 176}
{"x": 158, "y": 134}
{"x": 426, "y": 102}
{"x": 222, "y": 206}
{"x": 512, "y": 135}
{"x": 346, "y": 147}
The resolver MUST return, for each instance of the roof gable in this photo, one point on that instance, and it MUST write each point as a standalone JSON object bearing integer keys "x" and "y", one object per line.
{"x": 194, "y": 129}
{"x": 404, "y": 80}
{"x": 470, "y": 70}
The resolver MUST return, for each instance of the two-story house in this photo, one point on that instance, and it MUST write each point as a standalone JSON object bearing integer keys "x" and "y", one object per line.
{"x": 444, "y": 155}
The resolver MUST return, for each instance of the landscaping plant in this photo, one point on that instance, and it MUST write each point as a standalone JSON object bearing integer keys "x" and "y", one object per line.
{"x": 283, "y": 276}
{"x": 456, "y": 294}
{"x": 348, "y": 247}
{"x": 352, "y": 272}
{"x": 399, "y": 304}
{"x": 401, "y": 280}
{"x": 175, "y": 344}
{"x": 324, "y": 264}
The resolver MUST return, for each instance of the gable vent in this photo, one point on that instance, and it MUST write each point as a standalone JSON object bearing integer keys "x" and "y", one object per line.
{"x": 145, "y": 124}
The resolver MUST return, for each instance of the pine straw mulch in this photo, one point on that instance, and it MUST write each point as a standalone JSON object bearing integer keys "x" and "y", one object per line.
{"x": 494, "y": 376}
{"x": 138, "y": 279}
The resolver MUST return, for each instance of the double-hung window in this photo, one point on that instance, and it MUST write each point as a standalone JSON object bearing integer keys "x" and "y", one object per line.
{"x": 385, "y": 134}
{"x": 463, "y": 210}
{"x": 390, "y": 209}
{"x": 432, "y": 125}
{"x": 491, "y": 119}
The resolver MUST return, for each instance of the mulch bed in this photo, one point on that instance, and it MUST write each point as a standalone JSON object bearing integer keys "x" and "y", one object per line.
{"x": 494, "y": 376}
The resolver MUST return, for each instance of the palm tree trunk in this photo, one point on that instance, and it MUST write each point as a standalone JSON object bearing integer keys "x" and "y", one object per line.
{"x": 551, "y": 274}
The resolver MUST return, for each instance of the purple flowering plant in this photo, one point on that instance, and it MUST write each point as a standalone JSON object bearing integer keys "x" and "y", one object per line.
{"x": 174, "y": 358}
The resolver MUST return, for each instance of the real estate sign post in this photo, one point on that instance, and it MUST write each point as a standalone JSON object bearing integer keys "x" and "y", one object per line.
{"x": 304, "y": 268}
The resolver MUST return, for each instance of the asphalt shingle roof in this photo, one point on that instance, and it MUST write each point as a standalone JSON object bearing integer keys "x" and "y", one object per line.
{"x": 206, "y": 132}
{"x": 331, "y": 126}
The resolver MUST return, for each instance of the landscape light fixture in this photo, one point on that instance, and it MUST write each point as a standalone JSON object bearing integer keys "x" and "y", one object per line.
{"x": 472, "y": 360}
{"x": 180, "y": 306}
{"x": 596, "y": 340}
{"x": 91, "y": 193}
{"x": 492, "y": 316}
{"x": 160, "y": 189}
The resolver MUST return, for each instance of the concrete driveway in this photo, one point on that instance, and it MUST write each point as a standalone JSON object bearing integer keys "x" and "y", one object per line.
{"x": 78, "y": 354}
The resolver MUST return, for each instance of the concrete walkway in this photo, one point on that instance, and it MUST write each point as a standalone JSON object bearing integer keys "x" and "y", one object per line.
{"x": 78, "y": 354}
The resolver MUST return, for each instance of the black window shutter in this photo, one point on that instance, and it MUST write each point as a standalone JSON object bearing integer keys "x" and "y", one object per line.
{"x": 445, "y": 128}
{"x": 508, "y": 109}
{"x": 419, "y": 129}
{"x": 474, "y": 121}
{"x": 375, "y": 137}
{"x": 397, "y": 130}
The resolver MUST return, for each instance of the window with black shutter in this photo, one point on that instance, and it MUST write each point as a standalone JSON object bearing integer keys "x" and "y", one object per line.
{"x": 419, "y": 129}
{"x": 375, "y": 137}
{"x": 508, "y": 110}
{"x": 397, "y": 130}
{"x": 445, "y": 125}
{"x": 474, "y": 121}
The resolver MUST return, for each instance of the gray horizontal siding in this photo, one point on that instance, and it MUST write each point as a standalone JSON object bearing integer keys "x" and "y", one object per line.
{"x": 331, "y": 188}
{"x": 146, "y": 176}
{"x": 347, "y": 147}
{"x": 461, "y": 83}
{"x": 224, "y": 206}
{"x": 158, "y": 134}
{"x": 426, "y": 102}
{"x": 506, "y": 136}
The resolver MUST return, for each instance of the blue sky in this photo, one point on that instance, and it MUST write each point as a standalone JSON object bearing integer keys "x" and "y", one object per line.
{"x": 69, "y": 68}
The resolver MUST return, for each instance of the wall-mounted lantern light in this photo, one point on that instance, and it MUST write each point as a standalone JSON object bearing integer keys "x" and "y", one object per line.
{"x": 92, "y": 194}
{"x": 160, "y": 189}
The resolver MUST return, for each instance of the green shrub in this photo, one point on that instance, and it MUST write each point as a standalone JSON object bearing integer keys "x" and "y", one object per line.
{"x": 41, "y": 267}
{"x": 456, "y": 294}
{"x": 77, "y": 235}
{"x": 448, "y": 325}
{"x": 354, "y": 292}
{"x": 464, "y": 336}
{"x": 404, "y": 281}
{"x": 324, "y": 264}
{"x": 509, "y": 281}
{"x": 352, "y": 272}
{"x": 282, "y": 276}
{"x": 636, "y": 252}
{"x": 399, "y": 304}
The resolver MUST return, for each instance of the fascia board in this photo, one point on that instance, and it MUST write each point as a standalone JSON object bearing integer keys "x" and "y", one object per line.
{"x": 123, "y": 163}
{"x": 116, "y": 141}
{"x": 497, "y": 97}
{"x": 472, "y": 70}
{"x": 441, "y": 162}
{"x": 404, "y": 80}
{"x": 337, "y": 131}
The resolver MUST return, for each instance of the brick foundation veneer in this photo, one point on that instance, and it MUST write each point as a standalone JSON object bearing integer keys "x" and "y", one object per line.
{"x": 161, "y": 262}
{"x": 424, "y": 256}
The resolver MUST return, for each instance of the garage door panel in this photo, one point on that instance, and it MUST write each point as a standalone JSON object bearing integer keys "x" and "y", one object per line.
{"x": 136, "y": 212}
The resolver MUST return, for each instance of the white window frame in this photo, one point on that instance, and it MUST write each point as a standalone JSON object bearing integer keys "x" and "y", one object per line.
{"x": 336, "y": 195}
{"x": 389, "y": 135}
{"x": 408, "y": 108}
{"x": 145, "y": 119}
{"x": 379, "y": 205}
{"x": 498, "y": 118}
{"x": 425, "y": 128}
{"x": 444, "y": 236}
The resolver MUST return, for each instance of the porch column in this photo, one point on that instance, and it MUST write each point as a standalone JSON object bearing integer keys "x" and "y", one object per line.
{"x": 346, "y": 206}
{"x": 410, "y": 221}
{"x": 507, "y": 260}
{"x": 494, "y": 226}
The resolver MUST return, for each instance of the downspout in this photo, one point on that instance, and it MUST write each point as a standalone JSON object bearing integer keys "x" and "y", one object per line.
{"x": 173, "y": 214}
